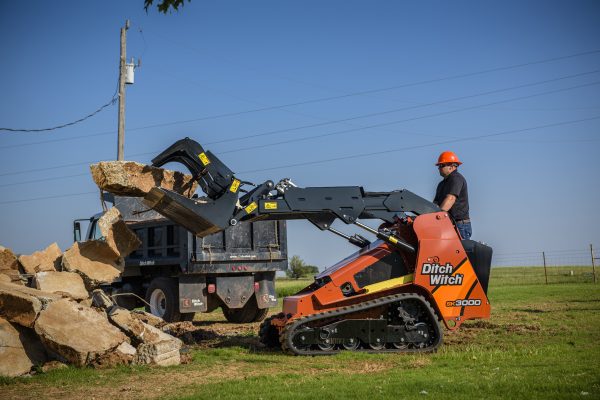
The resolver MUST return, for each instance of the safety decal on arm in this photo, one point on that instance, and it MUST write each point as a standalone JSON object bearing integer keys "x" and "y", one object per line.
{"x": 271, "y": 205}
{"x": 235, "y": 185}
{"x": 204, "y": 159}
{"x": 251, "y": 207}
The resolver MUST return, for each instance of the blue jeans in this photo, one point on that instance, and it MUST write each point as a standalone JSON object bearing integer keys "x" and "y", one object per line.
{"x": 465, "y": 230}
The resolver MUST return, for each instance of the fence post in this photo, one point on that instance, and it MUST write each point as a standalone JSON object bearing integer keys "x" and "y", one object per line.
{"x": 545, "y": 272}
{"x": 593, "y": 262}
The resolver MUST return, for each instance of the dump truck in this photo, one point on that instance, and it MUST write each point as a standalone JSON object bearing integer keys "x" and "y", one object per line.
{"x": 392, "y": 295}
{"x": 176, "y": 274}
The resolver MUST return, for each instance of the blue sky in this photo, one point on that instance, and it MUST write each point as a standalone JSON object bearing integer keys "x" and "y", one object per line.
{"x": 533, "y": 187}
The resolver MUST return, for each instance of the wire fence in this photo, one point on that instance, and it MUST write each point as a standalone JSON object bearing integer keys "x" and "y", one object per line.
{"x": 547, "y": 267}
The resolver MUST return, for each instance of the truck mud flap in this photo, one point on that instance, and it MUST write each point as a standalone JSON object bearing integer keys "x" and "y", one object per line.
{"x": 266, "y": 296}
{"x": 192, "y": 298}
{"x": 235, "y": 291}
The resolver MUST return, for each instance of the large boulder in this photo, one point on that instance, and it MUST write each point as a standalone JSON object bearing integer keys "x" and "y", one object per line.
{"x": 117, "y": 234}
{"x": 153, "y": 345}
{"x": 21, "y": 304}
{"x": 68, "y": 283}
{"x": 94, "y": 260}
{"x": 128, "y": 178}
{"x": 78, "y": 334}
{"x": 10, "y": 276}
{"x": 20, "y": 349}
{"x": 8, "y": 260}
{"x": 45, "y": 260}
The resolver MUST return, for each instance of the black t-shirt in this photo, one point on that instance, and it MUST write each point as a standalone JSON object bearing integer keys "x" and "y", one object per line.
{"x": 454, "y": 184}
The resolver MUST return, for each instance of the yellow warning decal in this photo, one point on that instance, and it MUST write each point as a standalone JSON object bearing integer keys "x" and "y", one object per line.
{"x": 235, "y": 185}
{"x": 376, "y": 287}
{"x": 204, "y": 159}
{"x": 271, "y": 205}
{"x": 251, "y": 207}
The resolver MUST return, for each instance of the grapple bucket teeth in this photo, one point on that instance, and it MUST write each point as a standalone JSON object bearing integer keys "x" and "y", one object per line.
{"x": 200, "y": 216}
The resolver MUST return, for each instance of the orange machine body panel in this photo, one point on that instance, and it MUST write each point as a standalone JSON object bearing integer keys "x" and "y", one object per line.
{"x": 442, "y": 273}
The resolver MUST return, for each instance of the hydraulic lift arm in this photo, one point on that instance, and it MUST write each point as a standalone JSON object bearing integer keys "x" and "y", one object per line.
{"x": 224, "y": 206}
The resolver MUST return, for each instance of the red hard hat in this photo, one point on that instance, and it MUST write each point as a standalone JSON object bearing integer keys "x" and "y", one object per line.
{"x": 448, "y": 157}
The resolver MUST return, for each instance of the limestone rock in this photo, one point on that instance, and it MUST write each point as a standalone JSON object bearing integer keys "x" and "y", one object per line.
{"x": 148, "y": 318}
{"x": 117, "y": 234}
{"x": 45, "y": 260}
{"x": 94, "y": 260}
{"x": 128, "y": 178}
{"x": 77, "y": 333}
{"x": 21, "y": 304}
{"x": 20, "y": 349}
{"x": 153, "y": 345}
{"x": 69, "y": 283}
{"x": 10, "y": 276}
{"x": 8, "y": 260}
{"x": 101, "y": 299}
{"x": 53, "y": 365}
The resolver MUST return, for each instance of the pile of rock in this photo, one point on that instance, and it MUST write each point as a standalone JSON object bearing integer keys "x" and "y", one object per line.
{"x": 52, "y": 310}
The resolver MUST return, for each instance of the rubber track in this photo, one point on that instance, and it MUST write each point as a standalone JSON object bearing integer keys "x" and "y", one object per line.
{"x": 289, "y": 330}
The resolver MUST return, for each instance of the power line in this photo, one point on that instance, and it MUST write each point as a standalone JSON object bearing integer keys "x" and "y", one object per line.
{"x": 360, "y": 93}
{"x": 362, "y": 155}
{"x": 353, "y": 118}
{"x": 404, "y": 120}
{"x": 49, "y": 197}
{"x": 273, "y": 132}
{"x": 56, "y": 178}
{"x": 111, "y": 102}
{"x": 420, "y": 146}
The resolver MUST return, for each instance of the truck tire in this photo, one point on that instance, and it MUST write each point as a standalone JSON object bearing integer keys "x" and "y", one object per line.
{"x": 249, "y": 313}
{"x": 163, "y": 297}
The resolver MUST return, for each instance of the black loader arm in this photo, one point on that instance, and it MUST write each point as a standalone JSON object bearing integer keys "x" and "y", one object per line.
{"x": 224, "y": 206}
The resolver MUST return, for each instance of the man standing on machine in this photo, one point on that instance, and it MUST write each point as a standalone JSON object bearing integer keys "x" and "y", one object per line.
{"x": 451, "y": 194}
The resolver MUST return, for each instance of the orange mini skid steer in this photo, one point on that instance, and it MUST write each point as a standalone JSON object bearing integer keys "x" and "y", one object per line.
{"x": 390, "y": 296}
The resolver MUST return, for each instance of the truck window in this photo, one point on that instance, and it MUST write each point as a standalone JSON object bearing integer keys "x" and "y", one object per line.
{"x": 95, "y": 232}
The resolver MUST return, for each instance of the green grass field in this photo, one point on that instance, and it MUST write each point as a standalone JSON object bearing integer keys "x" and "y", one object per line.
{"x": 542, "y": 341}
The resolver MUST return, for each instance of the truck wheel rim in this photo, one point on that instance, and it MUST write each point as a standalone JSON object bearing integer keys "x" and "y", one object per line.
{"x": 158, "y": 303}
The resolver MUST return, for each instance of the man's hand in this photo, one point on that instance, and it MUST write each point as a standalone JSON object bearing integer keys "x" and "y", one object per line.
{"x": 448, "y": 202}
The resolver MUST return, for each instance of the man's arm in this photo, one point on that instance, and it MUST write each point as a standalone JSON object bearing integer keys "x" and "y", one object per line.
{"x": 448, "y": 202}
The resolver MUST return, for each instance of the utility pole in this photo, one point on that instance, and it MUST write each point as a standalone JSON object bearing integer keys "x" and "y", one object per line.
{"x": 122, "y": 72}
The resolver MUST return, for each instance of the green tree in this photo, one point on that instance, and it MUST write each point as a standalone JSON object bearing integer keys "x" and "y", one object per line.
{"x": 164, "y": 5}
{"x": 298, "y": 269}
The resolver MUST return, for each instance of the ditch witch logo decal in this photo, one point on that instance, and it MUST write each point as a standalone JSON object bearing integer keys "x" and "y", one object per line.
{"x": 441, "y": 274}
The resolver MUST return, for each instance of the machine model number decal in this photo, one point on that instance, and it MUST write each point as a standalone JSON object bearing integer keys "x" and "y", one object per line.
{"x": 463, "y": 303}
{"x": 271, "y": 205}
{"x": 441, "y": 274}
{"x": 147, "y": 262}
{"x": 251, "y": 207}
{"x": 235, "y": 185}
{"x": 204, "y": 159}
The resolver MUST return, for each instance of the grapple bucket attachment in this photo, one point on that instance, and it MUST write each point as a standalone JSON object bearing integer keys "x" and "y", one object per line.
{"x": 201, "y": 216}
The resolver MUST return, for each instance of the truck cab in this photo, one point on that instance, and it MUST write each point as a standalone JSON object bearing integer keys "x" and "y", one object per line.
{"x": 175, "y": 274}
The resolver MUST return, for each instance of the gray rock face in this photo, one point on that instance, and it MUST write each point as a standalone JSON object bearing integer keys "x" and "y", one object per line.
{"x": 94, "y": 260}
{"x": 20, "y": 349}
{"x": 8, "y": 260}
{"x": 21, "y": 304}
{"x": 117, "y": 234}
{"x": 69, "y": 283}
{"x": 45, "y": 260}
{"x": 153, "y": 345}
{"x": 128, "y": 178}
{"x": 78, "y": 334}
